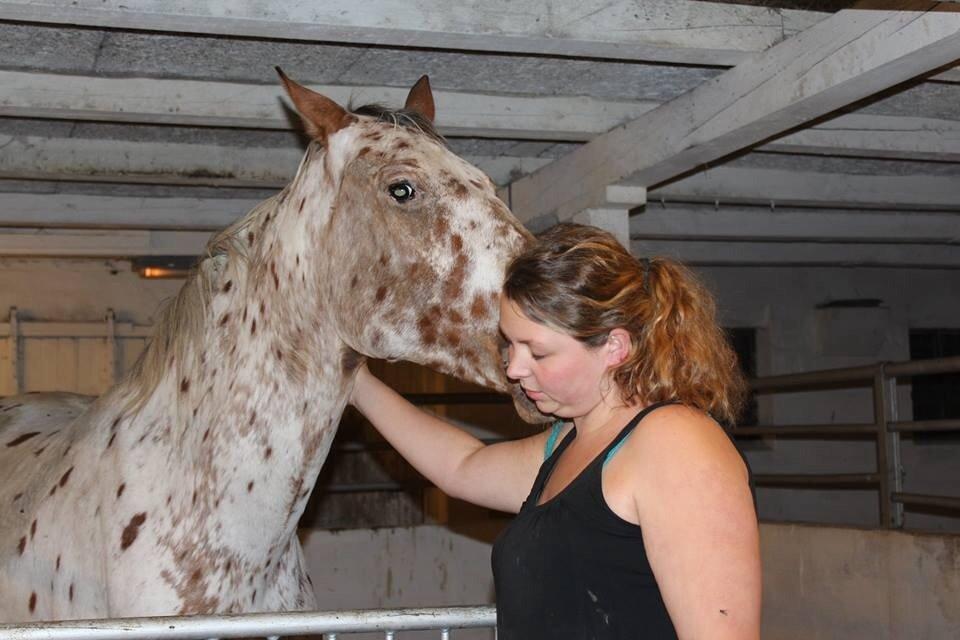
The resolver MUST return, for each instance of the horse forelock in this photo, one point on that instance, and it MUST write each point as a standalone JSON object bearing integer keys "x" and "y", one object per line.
{"x": 405, "y": 118}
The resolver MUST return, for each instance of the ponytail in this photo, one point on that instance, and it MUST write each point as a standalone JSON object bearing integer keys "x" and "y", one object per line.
{"x": 680, "y": 352}
{"x": 579, "y": 280}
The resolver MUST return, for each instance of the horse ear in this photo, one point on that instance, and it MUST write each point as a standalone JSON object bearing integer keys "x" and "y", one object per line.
{"x": 420, "y": 99}
{"x": 322, "y": 117}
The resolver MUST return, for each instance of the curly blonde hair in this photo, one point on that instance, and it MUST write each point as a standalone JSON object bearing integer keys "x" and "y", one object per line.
{"x": 579, "y": 280}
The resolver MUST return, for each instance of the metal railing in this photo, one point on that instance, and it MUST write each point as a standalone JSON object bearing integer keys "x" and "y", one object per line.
{"x": 326, "y": 623}
{"x": 885, "y": 429}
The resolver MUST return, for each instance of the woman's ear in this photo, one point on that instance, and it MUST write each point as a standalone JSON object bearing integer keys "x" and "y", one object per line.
{"x": 618, "y": 347}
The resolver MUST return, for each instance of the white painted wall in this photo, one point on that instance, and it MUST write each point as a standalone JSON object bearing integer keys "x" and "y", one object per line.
{"x": 80, "y": 290}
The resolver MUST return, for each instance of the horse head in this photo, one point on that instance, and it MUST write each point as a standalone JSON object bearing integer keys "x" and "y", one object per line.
{"x": 417, "y": 240}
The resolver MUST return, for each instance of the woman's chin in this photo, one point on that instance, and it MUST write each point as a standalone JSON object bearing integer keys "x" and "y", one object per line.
{"x": 529, "y": 410}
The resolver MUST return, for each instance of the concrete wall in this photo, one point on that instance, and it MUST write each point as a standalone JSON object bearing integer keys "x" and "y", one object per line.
{"x": 426, "y": 566}
{"x": 795, "y": 336}
{"x": 820, "y": 583}
{"x": 823, "y": 583}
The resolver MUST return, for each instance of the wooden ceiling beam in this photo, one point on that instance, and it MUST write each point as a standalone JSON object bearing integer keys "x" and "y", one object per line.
{"x": 669, "y": 31}
{"x": 730, "y": 222}
{"x": 100, "y": 244}
{"x": 183, "y": 164}
{"x": 784, "y": 188}
{"x": 843, "y": 59}
{"x": 231, "y": 104}
{"x": 801, "y": 254}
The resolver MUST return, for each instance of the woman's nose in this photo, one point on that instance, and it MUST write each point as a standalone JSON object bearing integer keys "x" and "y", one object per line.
{"x": 515, "y": 368}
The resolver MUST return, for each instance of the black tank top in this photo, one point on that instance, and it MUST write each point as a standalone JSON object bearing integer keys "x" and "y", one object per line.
{"x": 572, "y": 569}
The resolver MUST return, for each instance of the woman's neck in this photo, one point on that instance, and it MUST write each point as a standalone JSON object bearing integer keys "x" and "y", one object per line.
{"x": 606, "y": 415}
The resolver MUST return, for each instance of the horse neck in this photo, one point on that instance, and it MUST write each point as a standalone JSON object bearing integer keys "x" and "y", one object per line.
{"x": 250, "y": 410}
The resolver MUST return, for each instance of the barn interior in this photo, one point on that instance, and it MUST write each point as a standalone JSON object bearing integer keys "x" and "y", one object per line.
{"x": 802, "y": 157}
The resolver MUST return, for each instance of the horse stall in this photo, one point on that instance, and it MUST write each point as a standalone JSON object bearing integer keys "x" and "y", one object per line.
{"x": 197, "y": 250}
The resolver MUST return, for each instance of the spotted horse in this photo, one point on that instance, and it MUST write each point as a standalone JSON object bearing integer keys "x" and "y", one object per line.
{"x": 179, "y": 490}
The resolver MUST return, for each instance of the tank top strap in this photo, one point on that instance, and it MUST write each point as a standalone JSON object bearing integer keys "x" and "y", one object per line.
{"x": 552, "y": 438}
{"x": 627, "y": 430}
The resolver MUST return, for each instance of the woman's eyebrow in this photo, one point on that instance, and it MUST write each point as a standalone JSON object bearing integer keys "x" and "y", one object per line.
{"x": 529, "y": 343}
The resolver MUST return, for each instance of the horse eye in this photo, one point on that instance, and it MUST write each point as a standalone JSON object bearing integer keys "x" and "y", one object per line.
{"x": 401, "y": 191}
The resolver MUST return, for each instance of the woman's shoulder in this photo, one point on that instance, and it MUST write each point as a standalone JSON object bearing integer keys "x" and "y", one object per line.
{"x": 676, "y": 438}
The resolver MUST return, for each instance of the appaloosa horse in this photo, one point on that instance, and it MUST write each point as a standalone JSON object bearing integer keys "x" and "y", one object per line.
{"x": 179, "y": 490}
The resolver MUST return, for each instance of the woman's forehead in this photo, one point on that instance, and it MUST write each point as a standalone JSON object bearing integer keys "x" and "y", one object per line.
{"x": 517, "y": 326}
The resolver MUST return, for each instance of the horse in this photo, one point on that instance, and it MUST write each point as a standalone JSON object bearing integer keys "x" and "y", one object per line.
{"x": 178, "y": 491}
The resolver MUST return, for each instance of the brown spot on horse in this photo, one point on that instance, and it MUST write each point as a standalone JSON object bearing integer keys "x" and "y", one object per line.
{"x": 132, "y": 530}
{"x": 23, "y": 438}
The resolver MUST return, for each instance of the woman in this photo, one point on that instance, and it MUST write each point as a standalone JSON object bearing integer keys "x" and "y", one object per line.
{"x": 636, "y": 518}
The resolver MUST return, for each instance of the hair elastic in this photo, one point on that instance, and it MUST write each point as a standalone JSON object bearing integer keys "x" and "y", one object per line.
{"x": 645, "y": 263}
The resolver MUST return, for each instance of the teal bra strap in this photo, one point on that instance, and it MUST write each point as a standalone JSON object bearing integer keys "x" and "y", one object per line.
{"x": 552, "y": 440}
{"x": 615, "y": 449}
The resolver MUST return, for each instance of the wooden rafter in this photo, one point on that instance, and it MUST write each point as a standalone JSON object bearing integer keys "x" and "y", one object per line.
{"x": 232, "y": 104}
{"x": 781, "y": 187}
{"x": 678, "y": 31}
{"x": 849, "y": 56}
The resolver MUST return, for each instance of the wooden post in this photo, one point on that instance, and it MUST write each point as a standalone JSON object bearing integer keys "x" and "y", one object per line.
{"x": 616, "y": 221}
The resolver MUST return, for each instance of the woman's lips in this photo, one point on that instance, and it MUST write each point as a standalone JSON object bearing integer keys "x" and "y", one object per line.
{"x": 533, "y": 395}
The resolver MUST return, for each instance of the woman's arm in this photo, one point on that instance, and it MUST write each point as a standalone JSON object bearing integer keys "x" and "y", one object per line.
{"x": 700, "y": 529}
{"x": 497, "y": 476}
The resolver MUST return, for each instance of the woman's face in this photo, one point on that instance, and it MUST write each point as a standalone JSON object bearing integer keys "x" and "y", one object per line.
{"x": 558, "y": 372}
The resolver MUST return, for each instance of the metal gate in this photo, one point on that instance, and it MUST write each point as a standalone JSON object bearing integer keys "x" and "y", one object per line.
{"x": 327, "y": 623}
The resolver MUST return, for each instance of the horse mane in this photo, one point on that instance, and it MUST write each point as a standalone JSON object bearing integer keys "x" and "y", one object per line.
{"x": 181, "y": 322}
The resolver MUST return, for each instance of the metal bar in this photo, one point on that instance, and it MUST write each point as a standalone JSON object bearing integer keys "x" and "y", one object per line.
{"x": 924, "y": 425}
{"x": 883, "y": 460}
{"x": 851, "y": 376}
{"x": 15, "y": 360}
{"x": 811, "y": 430}
{"x": 895, "y": 476}
{"x": 254, "y": 624}
{"x": 917, "y": 499}
{"x": 77, "y": 330}
{"x": 111, "y": 346}
{"x": 923, "y": 367}
{"x": 804, "y": 480}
